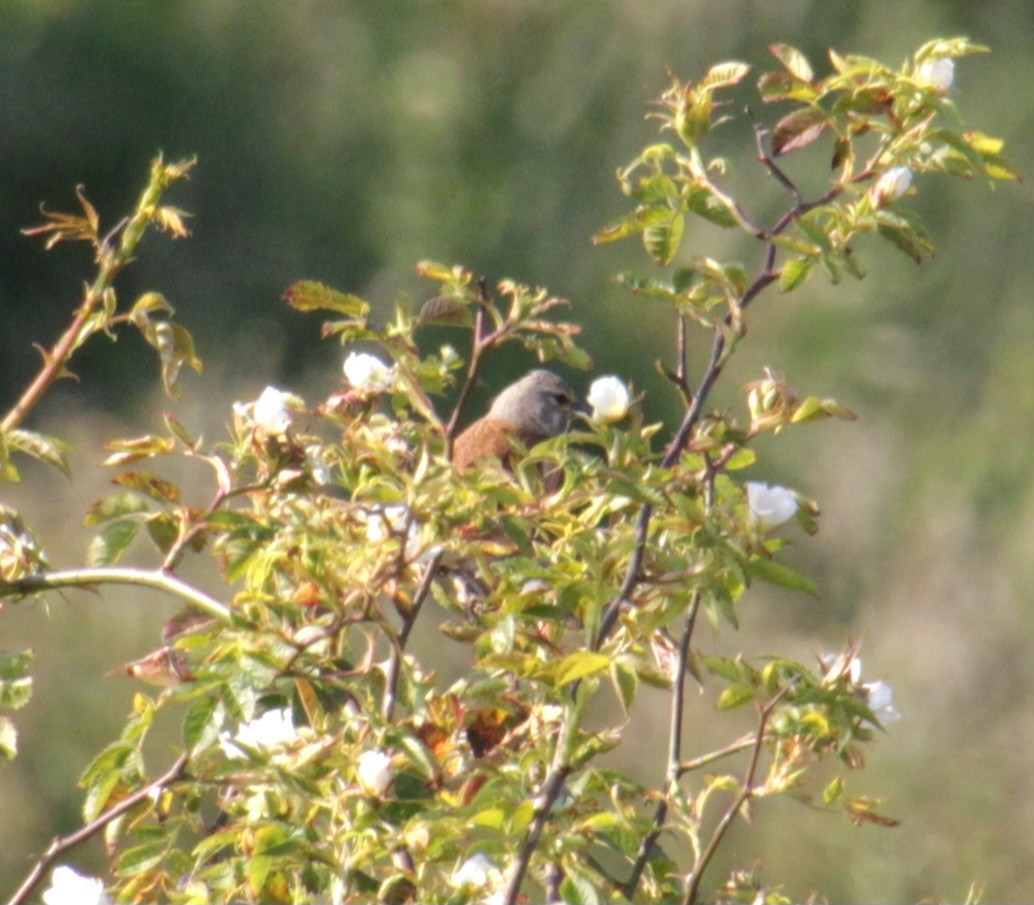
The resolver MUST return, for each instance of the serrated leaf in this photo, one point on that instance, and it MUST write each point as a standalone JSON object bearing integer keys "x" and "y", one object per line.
{"x": 108, "y": 546}
{"x": 736, "y": 696}
{"x": 798, "y": 130}
{"x": 626, "y": 682}
{"x": 202, "y": 724}
{"x": 776, "y": 573}
{"x": 8, "y": 739}
{"x": 796, "y": 63}
{"x": 150, "y": 485}
{"x": 310, "y": 295}
{"x": 832, "y": 793}
{"x": 126, "y": 451}
{"x": 725, "y": 75}
{"x": 447, "y": 310}
{"x": 577, "y": 666}
{"x": 577, "y": 890}
{"x": 662, "y": 240}
{"x": 39, "y": 446}
{"x": 115, "y": 506}
{"x": 795, "y": 272}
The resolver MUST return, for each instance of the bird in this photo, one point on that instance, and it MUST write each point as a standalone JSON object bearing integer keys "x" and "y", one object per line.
{"x": 535, "y": 408}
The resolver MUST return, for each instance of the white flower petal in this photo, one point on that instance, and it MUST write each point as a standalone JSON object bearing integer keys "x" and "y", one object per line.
{"x": 374, "y": 771}
{"x": 367, "y": 372}
{"x": 938, "y": 73}
{"x": 770, "y": 506}
{"x": 609, "y": 398}
{"x": 68, "y": 887}
{"x": 474, "y": 871}
{"x": 272, "y": 411}
{"x": 273, "y": 728}
{"x": 892, "y": 185}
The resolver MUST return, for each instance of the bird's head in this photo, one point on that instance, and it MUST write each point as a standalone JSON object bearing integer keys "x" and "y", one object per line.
{"x": 540, "y": 403}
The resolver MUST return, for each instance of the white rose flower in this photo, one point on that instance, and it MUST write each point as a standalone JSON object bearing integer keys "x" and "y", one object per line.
{"x": 475, "y": 871}
{"x": 770, "y": 506}
{"x": 374, "y": 771}
{"x": 273, "y": 728}
{"x": 938, "y": 73}
{"x": 609, "y": 399}
{"x": 892, "y": 185}
{"x": 881, "y": 701}
{"x": 367, "y": 372}
{"x": 70, "y": 888}
{"x": 271, "y": 412}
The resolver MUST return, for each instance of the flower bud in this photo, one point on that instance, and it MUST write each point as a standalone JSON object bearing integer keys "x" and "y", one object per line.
{"x": 609, "y": 398}
{"x": 937, "y": 73}
{"x": 891, "y": 186}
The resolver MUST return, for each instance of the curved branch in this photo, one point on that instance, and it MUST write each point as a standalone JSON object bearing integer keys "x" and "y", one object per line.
{"x": 64, "y": 843}
{"x": 90, "y": 578}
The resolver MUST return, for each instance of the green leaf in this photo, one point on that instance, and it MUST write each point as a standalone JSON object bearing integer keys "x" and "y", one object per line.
{"x": 115, "y": 506}
{"x": 725, "y": 75}
{"x": 142, "y": 858}
{"x": 202, "y": 724}
{"x": 794, "y": 273}
{"x": 310, "y": 295}
{"x": 151, "y": 485}
{"x": 108, "y": 546}
{"x": 795, "y": 62}
{"x": 776, "y": 573}
{"x": 8, "y": 739}
{"x": 798, "y": 130}
{"x": 576, "y": 666}
{"x": 736, "y": 696}
{"x": 626, "y": 682}
{"x": 577, "y": 890}
{"x": 39, "y": 446}
{"x": 662, "y": 240}
{"x": 833, "y": 792}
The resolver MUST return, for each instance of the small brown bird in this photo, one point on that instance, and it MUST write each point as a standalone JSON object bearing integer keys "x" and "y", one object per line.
{"x": 535, "y": 408}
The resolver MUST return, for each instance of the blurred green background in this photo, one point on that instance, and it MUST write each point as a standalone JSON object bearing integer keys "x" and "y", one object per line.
{"x": 343, "y": 141}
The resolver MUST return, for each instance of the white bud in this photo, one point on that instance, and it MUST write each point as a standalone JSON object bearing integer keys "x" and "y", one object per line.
{"x": 938, "y": 73}
{"x": 67, "y": 887}
{"x": 770, "y": 506}
{"x": 367, "y": 372}
{"x": 374, "y": 771}
{"x": 892, "y": 185}
{"x": 609, "y": 399}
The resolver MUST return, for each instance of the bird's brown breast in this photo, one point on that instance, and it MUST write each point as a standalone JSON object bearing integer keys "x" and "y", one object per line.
{"x": 489, "y": 438}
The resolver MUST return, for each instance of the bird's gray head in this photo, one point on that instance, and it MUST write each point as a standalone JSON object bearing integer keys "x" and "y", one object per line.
{"x": 540, "y": 403}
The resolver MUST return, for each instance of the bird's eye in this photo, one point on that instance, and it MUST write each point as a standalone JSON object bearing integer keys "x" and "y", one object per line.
{"x": 562, "y": 399}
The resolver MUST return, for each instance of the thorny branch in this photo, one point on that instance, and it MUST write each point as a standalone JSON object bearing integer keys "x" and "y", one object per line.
{"x": 745, "y": 793}
{"x": 64, "y": 843}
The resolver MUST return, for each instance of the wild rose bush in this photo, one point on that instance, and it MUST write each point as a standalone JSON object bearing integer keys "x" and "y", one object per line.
{"x": 321, "y": 760}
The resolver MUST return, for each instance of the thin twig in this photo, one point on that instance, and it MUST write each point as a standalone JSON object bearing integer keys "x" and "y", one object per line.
{"x": 478, "y": 344}
{"x": 398, "y": 646}
{"x": 711, "y": 757}
{"x": 745, "y": 793}
{"x": 551, "y": 791}
{"x": 678, "y": 700}
{"x": 64, "y": 843}
{"x": 90, "y": 578}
